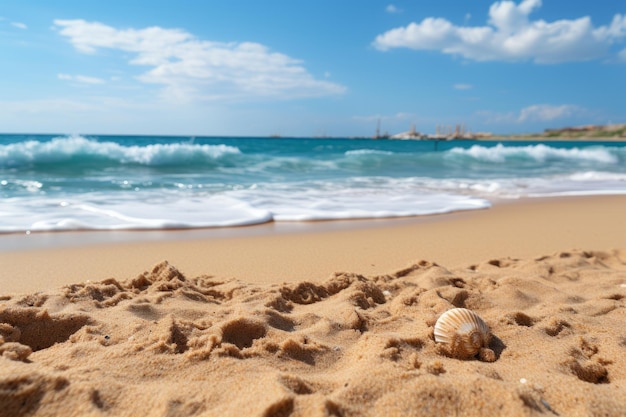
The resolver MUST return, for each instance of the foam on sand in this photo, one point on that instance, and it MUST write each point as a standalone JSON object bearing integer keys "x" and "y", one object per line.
{"x": 164, "y": 343}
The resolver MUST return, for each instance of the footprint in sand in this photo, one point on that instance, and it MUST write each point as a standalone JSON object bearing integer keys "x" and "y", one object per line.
{"x": 586, "y": 365}
{"x": 38, "y": 329}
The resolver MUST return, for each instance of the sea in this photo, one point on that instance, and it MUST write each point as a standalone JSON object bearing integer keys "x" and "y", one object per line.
{"x": 94, "y": 182}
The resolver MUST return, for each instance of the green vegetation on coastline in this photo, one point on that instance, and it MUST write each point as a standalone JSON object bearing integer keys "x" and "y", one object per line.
{"x": 600, "y": 132}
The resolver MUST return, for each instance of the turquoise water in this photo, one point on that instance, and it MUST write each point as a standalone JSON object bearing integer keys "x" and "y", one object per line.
{"x": 56, "y": 182}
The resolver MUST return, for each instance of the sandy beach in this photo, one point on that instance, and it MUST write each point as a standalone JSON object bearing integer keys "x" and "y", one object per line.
{"x": 322, "y": 319}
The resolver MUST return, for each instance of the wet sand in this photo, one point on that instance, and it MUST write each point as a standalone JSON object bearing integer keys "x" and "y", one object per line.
{"x": 313, "y": 251}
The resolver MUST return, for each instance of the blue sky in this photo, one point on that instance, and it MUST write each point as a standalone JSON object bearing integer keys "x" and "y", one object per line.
{"x": 309, "y": 68}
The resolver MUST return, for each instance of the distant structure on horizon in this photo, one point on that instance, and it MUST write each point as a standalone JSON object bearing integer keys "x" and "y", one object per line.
{"x": 442, "y": 133}
{"x": 460, "y": 132}
{"x": 411, "y": 134}
{"x": 378, "y": 134}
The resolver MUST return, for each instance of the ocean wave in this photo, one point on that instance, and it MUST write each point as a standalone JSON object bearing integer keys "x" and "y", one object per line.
{"x": 149, "y": 211}
{"x": 537, "y": 153}
{"x": 17, "y": 185}
{"x": 128, "y": 182}
{"x": 359, "y": 152}
{"x": 146, "y": 209}
{"x": 189, "y": 206}
{"x": 579, "y": 184}
{"x": 598, "y": 176}
{"x": 80, "y": 149}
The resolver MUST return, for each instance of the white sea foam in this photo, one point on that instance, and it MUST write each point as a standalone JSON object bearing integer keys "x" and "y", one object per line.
{"x": 150, "y": 210}
{"x": 355, "y": 198}
{"x": 539, "y": 153}
{"x": 584, "y": 183}
{"x": 127, "y": 213}
{"x": 64, "y": 148}
{"x": 30, "y": 186}
{"x": 368, "y": 152}
{"x": 598, "y": 176}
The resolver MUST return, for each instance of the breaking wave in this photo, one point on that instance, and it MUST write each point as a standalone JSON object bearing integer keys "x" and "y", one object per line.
{"x": 78, "y": 149}
{"x": 537, "y": 153}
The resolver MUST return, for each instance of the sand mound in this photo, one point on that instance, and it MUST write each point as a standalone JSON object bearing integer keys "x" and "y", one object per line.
{"x": 167, "y": 344}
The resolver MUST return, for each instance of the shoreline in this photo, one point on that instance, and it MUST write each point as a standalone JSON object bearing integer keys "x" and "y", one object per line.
{"x": 313, "y": 251}
{"x": 327, "y": 320}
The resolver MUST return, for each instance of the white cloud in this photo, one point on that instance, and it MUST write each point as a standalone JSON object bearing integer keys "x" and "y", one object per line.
{"x": 80, "y": 78}
{"x": 392, "y": 9}
{"x": 546, "y": 112}
{"x": 461, "y": 86}
{"x": 510, "y": 36}
{"x": 19, "y": 25}
{"x": 533, "y": 113}
{"x": 194, "y": 69}
{"x": 622, "y": 55}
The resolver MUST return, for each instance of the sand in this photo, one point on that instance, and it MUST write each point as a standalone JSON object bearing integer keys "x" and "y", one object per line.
{"x": 176, "y": 337}
{"x": 312, "y": 251}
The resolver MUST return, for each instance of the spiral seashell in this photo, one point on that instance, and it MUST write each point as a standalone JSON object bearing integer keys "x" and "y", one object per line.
{"x": 463, "y": 334}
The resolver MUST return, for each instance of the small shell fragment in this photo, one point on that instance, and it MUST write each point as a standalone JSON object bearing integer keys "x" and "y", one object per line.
{"x": 463, "y": 334}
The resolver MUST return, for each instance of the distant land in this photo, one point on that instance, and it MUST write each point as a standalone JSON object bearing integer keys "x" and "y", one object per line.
{"x": 615, "y": 132}
{"x": 600, "y": 132}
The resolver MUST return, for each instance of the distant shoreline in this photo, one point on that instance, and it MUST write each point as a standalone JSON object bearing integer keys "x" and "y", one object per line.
{"x": 590, "y": 133}
{"x": 612, "y": 132}
{"x": 537, "y": 138}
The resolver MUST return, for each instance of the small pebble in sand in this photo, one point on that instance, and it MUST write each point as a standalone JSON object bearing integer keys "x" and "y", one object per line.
{"x": 523, "y": 381}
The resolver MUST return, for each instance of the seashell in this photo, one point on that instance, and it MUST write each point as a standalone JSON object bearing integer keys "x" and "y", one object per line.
{"x": 463, "y": 334}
